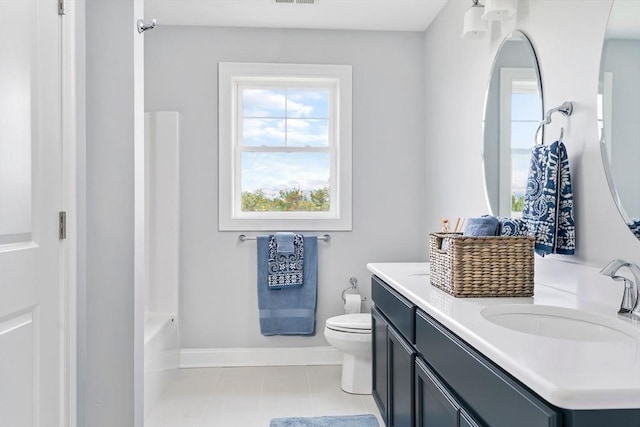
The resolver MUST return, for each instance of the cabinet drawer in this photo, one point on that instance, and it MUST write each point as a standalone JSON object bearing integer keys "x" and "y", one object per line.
{"x": 397, "y": 308}
{"x": 497, "y": 399}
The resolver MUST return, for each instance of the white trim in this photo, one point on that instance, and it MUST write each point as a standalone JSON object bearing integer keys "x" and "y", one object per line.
{"x": 229, "y": 76}
{"x": 72, "y": 78}
{"x": 287, "y": 356}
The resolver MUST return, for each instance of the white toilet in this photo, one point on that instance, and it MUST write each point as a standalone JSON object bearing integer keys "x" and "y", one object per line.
{"x": 351, "y": 334}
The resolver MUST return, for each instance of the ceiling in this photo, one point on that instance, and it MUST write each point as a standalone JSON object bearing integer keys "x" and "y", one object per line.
{"x": 379, "y": 15}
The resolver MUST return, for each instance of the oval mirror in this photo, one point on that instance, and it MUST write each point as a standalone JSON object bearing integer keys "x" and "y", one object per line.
{"x": 513, "y": 111}
{"x": 619, "y": 109}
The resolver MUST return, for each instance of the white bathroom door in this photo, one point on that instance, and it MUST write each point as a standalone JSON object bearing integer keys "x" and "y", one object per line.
{"x": 32, "y": 384}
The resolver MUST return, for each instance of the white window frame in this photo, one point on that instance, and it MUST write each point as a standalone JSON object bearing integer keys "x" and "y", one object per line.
{"x": 232, "y": 77}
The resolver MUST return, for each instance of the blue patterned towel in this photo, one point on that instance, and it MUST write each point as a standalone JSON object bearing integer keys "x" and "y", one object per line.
{"x": 548, "y": 202}
{"x": 634, "y": 226}
{"x": 513, "y": 226}
{"x": 290, "y": 310}
{"x": 286, "y": 268}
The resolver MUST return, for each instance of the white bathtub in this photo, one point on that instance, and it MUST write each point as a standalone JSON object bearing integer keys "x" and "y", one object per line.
{"x": 161, "y": 356}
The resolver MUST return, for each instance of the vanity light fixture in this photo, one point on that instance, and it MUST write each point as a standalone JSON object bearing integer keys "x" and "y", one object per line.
{"x": 499, "y": 9}
{"x": 474, "y": 26}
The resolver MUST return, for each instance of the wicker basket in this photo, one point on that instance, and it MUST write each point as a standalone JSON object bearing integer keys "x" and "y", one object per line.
{"x": 466, "y": 266}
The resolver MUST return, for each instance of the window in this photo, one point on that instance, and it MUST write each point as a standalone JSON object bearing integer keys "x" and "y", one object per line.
{"x": 284, "y": 147}
{"x": 520, "y": 110}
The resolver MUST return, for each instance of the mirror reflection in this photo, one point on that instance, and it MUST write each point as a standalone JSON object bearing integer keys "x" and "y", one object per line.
{"x": 513, "y": 111}
{"x": 619, "y": 109}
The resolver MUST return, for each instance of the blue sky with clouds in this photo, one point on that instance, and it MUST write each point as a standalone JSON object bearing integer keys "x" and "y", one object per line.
{"x": 285, "y": 118}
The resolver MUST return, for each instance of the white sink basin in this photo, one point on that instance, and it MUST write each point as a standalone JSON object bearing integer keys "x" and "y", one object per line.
{"x": 558, "y": 322}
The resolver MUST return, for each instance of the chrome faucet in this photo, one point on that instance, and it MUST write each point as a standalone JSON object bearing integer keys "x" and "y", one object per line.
{"x": 630, "y": 304}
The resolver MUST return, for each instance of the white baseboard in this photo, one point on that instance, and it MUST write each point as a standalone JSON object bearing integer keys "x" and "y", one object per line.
{"x": 289, "y": 356}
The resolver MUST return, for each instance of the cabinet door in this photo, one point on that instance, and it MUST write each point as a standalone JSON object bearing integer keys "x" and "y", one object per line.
{"x": 435, "y": 407}
{"x": 380, "y": 363}
{"x": 466, "y": 420}
{"x": 401, "y": 379}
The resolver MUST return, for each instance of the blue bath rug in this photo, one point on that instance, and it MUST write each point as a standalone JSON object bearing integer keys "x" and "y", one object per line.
{"x": 342, "y": 421}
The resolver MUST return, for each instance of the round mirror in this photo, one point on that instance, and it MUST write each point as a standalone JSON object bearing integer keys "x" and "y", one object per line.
{"x": 619, "y": 109}
{"x": 513, "y": 111}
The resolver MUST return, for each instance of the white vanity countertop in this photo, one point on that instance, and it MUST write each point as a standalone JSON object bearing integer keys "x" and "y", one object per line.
{"x": 571, "y": 374}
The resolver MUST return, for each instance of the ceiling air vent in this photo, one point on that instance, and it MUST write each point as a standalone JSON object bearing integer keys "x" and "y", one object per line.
{"x": 296, "y": 1}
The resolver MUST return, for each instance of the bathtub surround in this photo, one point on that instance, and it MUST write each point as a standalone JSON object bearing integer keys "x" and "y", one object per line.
{"x": 162, "y": 260}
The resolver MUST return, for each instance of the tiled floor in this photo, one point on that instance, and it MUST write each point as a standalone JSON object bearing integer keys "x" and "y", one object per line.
{"x": 250, "y": 397}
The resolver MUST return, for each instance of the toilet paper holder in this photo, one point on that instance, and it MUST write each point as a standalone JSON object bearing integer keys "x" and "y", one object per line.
{"x": 352, "y": 287}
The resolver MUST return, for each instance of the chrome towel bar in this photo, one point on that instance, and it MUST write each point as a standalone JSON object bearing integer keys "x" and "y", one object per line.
{"x": 244, "y": 238}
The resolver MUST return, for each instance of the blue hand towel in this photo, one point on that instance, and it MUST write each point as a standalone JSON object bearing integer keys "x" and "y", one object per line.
{"x": 548, "y": 201}
{"x": 289, "y": 311}
{"x": 284, "y": 242}
{"x": 486, "y": 225}
{"x": 286, "y": 269}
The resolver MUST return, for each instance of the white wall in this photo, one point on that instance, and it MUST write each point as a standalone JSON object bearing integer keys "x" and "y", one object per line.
{"x": 567, "y": 36}
{"x": 218, "y": 274}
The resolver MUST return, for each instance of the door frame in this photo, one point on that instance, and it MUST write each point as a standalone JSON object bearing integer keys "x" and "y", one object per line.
{"x": 73, "y": 146}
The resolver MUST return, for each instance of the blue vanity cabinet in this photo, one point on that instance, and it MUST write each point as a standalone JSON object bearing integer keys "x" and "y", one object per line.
{"x": 480, "y": 386}
{"x": 448, "y": 383}
{"x": 435, "y": 405}
{"x": 401, "y": 360}
{"x": 380, "y": 383}
{"x": 467, "y": 421}
{"x": 393, "y": 320}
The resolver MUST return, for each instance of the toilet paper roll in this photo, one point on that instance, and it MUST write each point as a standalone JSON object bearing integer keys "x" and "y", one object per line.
{"x": 352, "y": 303}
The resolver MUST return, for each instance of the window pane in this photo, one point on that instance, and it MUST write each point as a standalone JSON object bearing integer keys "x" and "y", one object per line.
{"x": 285, "y": 181}
{"x": 519, "y": 172}
{"x": 526, "y": 106}
{"x": 308, "y": 132}
{"x": 263, "y": 132}
{"x": 308, "y": 103}
{"x": 263, "y": 102}
{"x": 522, "y": 134}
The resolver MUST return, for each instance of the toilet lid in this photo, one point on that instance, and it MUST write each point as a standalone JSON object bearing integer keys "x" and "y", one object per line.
{"x": 358, "y": 322}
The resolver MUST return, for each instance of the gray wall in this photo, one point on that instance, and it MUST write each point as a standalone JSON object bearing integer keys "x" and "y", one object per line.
{"x": 110, "y": 336}
{"x": 456, "y": 70}
{"x": 218, "y": 274}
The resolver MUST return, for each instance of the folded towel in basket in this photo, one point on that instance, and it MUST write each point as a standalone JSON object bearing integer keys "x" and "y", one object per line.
{"x": 486, "y": 225}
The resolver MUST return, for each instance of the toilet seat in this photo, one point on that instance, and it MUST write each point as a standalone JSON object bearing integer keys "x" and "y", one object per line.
{"x": 357, "y": 323}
